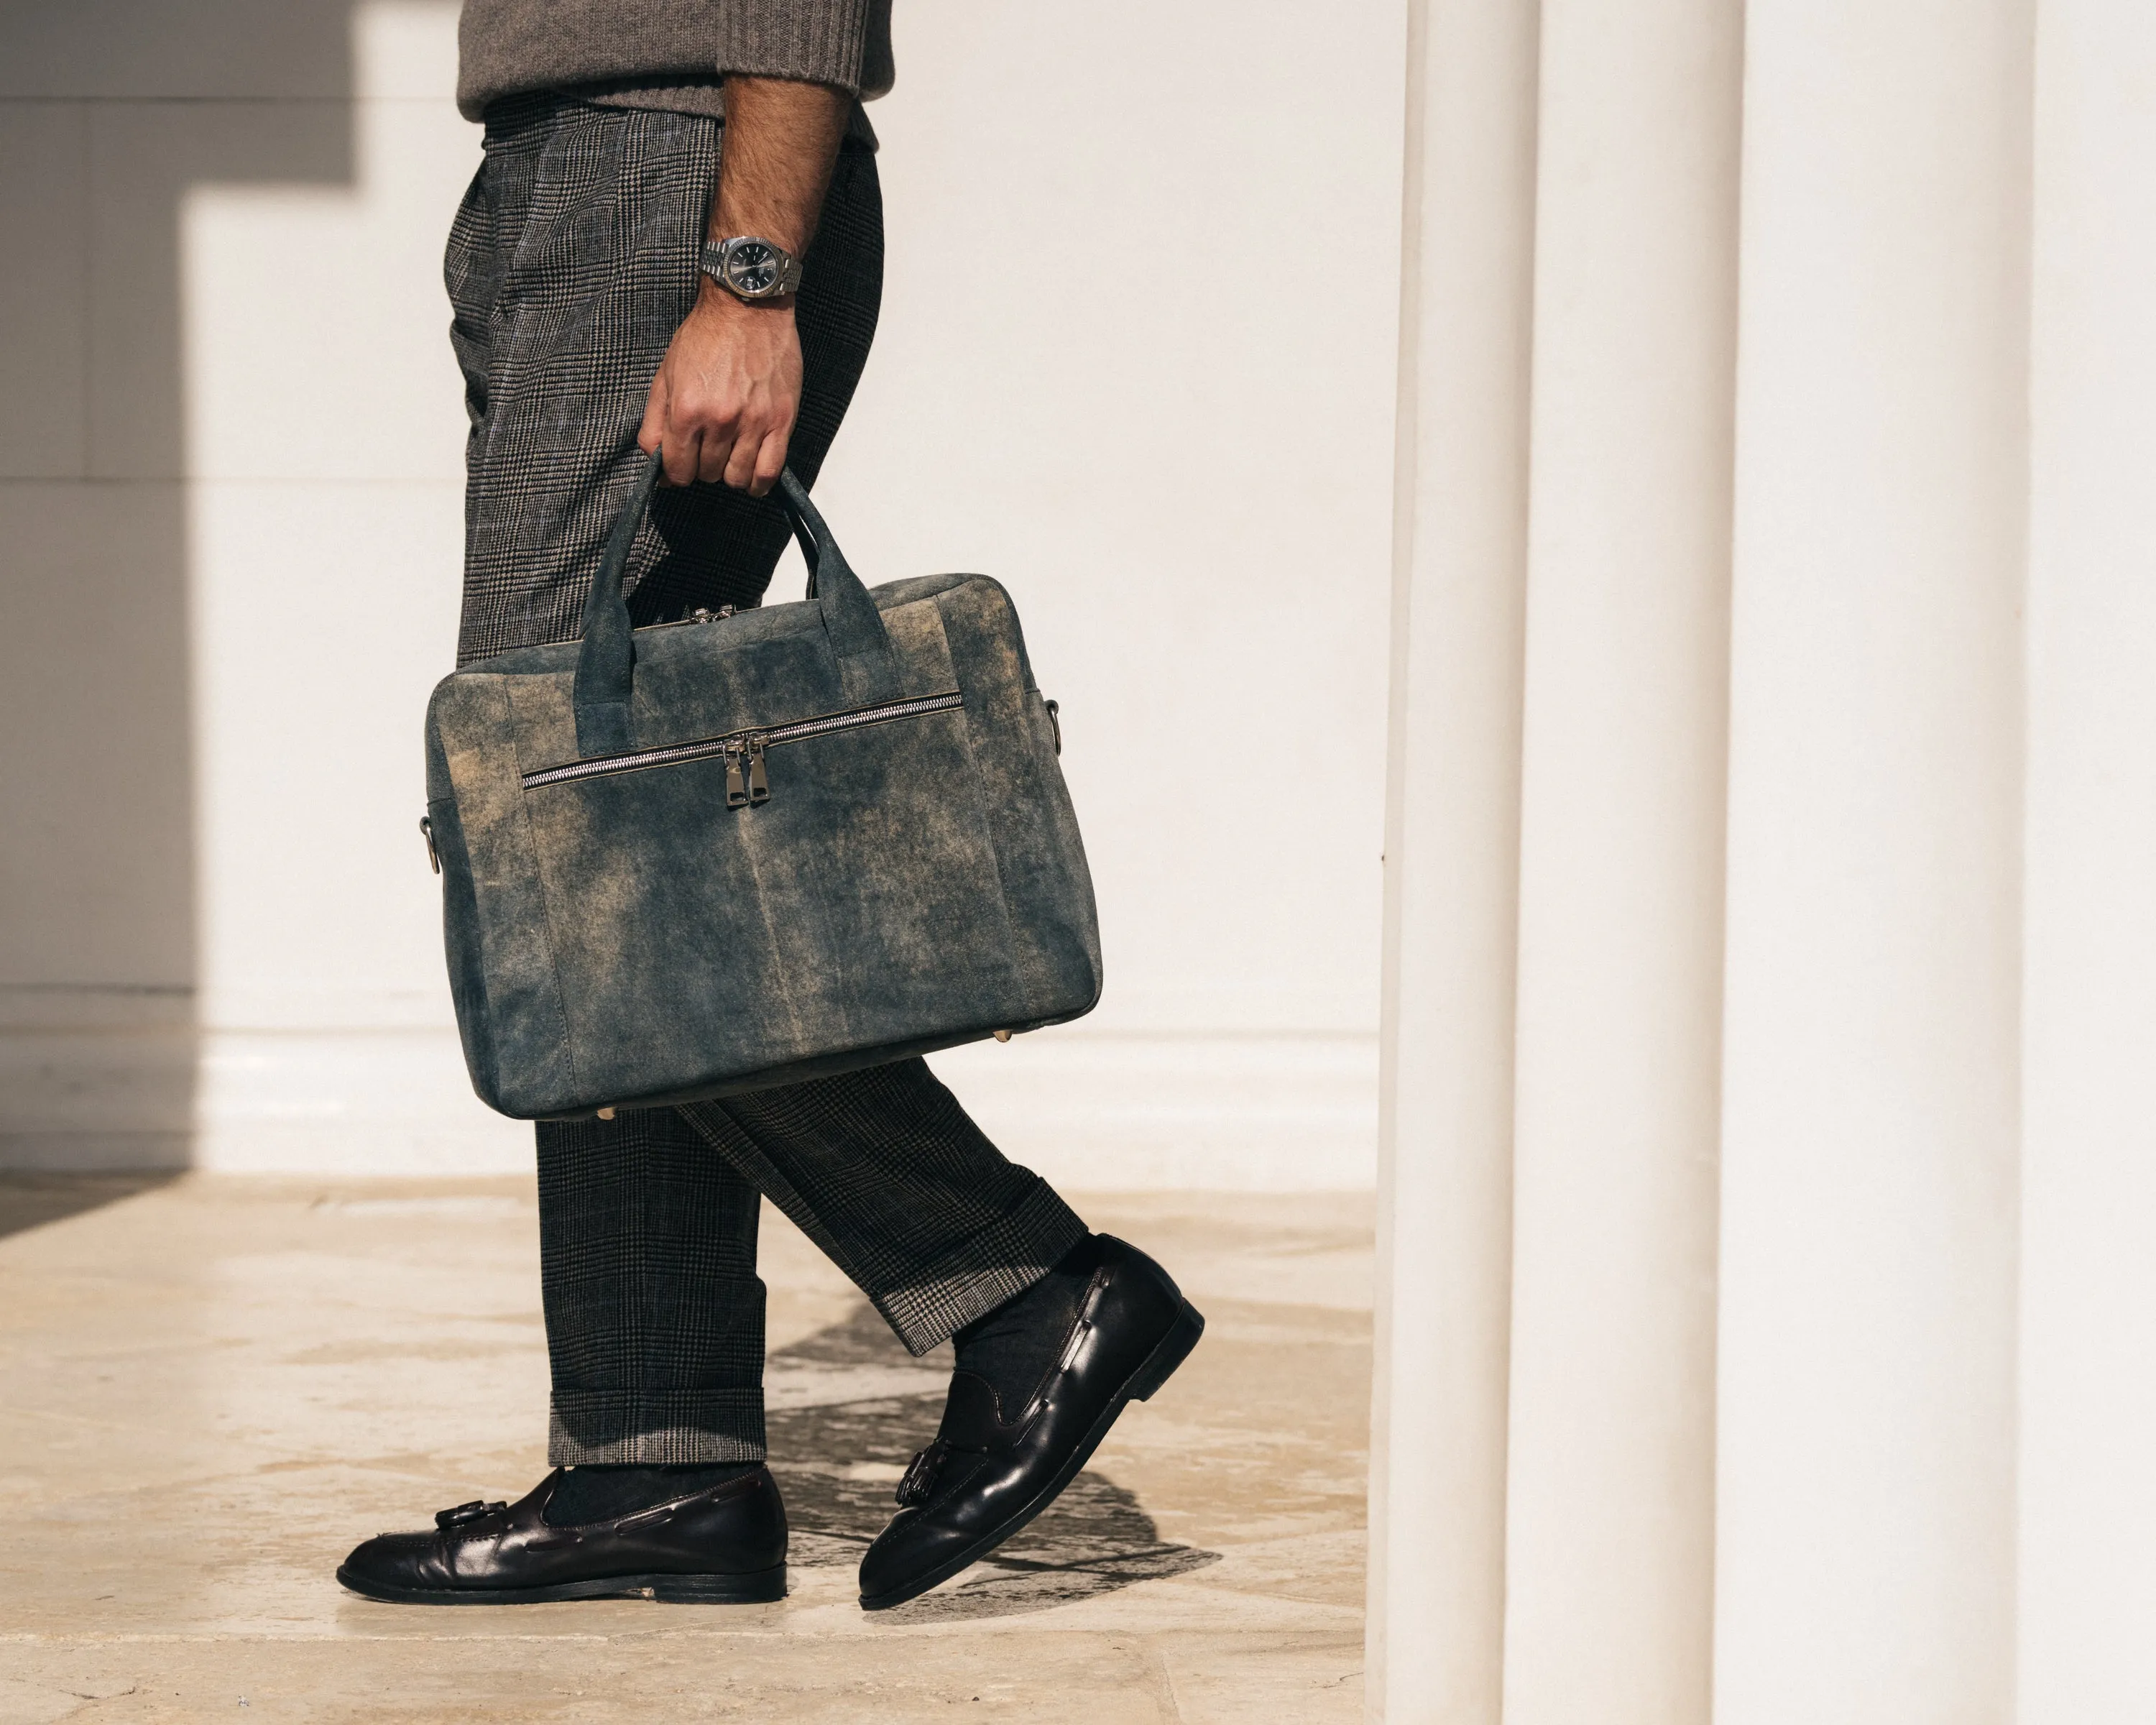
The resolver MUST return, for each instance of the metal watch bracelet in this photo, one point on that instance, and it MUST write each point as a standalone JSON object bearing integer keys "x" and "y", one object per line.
{"x": 751, "y": 268}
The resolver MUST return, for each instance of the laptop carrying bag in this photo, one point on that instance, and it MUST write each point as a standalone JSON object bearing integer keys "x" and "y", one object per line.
{"x": 710, "y": 856}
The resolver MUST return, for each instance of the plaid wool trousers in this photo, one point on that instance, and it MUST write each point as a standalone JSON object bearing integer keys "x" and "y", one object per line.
{"x": 573, "y": 260}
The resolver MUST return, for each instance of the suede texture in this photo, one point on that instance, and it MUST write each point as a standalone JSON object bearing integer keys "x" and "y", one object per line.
{"x": 630, "y": 939}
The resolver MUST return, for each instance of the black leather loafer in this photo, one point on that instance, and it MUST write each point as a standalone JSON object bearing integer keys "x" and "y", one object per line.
{"x": 724, "y": 1545}
{"x": 984, "y": 1478}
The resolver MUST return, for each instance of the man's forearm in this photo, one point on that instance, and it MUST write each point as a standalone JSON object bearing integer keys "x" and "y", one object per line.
{"x": 775, "y": 158}
{"x": 724, "y": 403}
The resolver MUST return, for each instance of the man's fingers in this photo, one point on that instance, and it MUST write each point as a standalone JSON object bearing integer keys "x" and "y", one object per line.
{"x": 715, "y": 452}
{"x": 741, "y": 462}
{"x": 680, "y": 456}
{"x": 651, "y": 431}
{"x": 770, "y": 460}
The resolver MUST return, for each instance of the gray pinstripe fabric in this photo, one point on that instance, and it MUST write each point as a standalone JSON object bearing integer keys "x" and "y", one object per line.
{"x": 572, "y": 261}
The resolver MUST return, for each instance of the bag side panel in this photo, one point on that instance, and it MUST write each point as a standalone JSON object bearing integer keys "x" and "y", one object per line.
{"x": 531, "y": 1072}
{"x": 1048, "y": 888}
{"x": 460, "y": 937}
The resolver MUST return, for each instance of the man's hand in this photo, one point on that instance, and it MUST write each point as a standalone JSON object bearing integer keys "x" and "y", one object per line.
{"x": 723, "y": 405}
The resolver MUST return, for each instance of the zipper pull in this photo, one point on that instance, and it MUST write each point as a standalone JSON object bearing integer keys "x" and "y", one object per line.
{"x": 759, "y": 786}
{"x": 427, "y": 831}
{"x": 737, "y": 787}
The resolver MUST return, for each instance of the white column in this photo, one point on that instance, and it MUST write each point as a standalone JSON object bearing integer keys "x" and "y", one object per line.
{"x": 1866, "y": 1464}
{"x": 2088, "y": 1222}
{"x": 1610, "y": 1551}
{"x": 1437, "y": 1482}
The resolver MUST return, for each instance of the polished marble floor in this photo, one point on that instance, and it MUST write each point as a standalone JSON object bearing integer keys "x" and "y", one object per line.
{"x": 214, "y": 1386}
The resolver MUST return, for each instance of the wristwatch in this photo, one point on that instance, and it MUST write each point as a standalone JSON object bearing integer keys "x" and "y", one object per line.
{"x": 751, "y": 268}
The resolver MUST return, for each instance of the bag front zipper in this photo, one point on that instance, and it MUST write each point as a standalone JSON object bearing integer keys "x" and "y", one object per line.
{"x": 742, "y": 751}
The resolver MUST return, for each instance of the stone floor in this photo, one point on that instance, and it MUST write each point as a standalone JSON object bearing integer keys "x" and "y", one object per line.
{"x": 216, "y": 1386}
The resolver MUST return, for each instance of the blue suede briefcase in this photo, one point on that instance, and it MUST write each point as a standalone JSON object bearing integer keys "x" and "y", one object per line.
{"x": 711, "y": 856}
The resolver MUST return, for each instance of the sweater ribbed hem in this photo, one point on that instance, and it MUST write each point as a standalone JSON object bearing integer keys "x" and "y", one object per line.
{"x": 704, "y": 99}
{"x": 512, "y": 47}
{"x": 813, "y": 41}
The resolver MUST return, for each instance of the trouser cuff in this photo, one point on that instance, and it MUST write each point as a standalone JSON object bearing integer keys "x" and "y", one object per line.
{"x": 654, "y": 1428}
{"x": 998, "y": 1264}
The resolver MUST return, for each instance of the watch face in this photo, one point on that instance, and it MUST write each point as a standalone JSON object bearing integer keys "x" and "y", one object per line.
{"x": 752, "y": 267}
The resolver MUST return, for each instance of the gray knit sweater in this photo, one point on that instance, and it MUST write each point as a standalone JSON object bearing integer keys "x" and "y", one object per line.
{"x": 667, "y": 54}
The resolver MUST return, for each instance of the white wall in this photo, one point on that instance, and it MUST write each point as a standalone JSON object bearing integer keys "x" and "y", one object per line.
{"x": 1135, "y": 359}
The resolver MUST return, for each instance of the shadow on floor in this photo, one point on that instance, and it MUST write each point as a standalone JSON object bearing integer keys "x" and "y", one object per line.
{"x": 838, "y": 1460}
{"x": 31, "y": 1200}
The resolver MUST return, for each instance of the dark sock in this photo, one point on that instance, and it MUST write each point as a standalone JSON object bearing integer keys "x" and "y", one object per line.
{"x": 1014, "y": 1346}
{"x": 599, "y": 1494}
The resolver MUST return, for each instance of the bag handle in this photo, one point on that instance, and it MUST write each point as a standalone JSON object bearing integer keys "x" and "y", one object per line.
{"x": 606, "y": 667}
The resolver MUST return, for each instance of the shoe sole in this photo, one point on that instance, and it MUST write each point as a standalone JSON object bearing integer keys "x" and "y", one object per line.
{"x": 1157, "y": 1369}
{"x": 758, "y": 1587}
